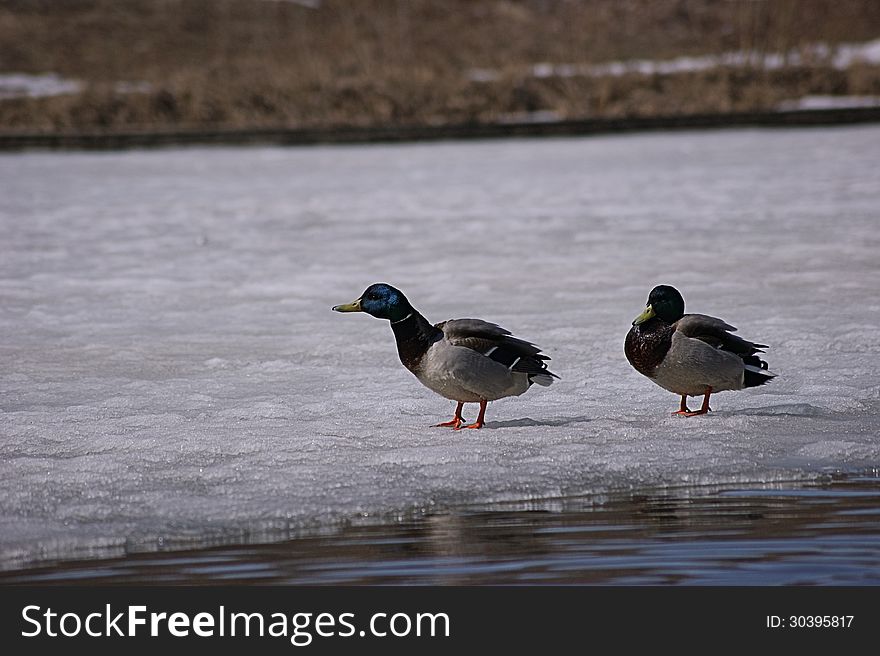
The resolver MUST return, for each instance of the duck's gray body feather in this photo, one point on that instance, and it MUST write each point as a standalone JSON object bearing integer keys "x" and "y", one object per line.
{"x": 702, "y": 353}
{"x": 462, "y": 374}
{"x": 480, "y": 361}
{"x": 691, "y": 366}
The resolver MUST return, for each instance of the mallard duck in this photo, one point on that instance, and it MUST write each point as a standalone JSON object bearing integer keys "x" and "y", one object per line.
{"x": 691, "y": 354}
{"x": 464, "y": 360}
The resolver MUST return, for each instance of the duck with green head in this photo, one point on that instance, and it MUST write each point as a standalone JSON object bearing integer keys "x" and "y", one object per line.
{"x": 691, "y": 354}
{"x": 464, "y": 360}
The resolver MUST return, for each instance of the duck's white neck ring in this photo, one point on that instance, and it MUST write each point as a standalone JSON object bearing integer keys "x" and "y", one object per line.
{"x": 404, "y": 319}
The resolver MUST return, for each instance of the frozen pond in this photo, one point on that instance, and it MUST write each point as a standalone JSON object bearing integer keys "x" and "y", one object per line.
{"x": 172, "y": 375}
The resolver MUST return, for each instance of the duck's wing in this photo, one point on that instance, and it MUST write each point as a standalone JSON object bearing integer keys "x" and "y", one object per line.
{"x": 496, "y": 343}
{"x": 717, "y": 334}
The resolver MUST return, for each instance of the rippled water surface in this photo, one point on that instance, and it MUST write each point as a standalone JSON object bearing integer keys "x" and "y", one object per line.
{"x": 827, "y": 533}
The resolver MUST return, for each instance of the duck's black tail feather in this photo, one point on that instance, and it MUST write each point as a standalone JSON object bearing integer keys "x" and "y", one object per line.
{"x": 524, "y": 358}
{"x": 756, "y": 372}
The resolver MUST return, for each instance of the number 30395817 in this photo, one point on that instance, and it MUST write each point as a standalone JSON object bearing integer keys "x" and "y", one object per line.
{"x": 810, "y": 621}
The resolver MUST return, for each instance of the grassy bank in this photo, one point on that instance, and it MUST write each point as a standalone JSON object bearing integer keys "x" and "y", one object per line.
{"x": 244, "y": 64}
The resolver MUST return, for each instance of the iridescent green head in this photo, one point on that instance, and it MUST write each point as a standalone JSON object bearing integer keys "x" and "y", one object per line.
{"x": 664, "y": 302}
{"x": 381, "y": 301}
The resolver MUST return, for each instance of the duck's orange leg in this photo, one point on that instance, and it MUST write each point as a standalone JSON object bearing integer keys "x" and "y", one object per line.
{"x": 703, "y": 408}
{"x": 456, "y": 420}
{"x": 683, "y": 406}
{"x": 480, "y": 417}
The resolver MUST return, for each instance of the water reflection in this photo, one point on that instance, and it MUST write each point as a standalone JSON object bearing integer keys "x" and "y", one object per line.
{"x": 822, "y": 534}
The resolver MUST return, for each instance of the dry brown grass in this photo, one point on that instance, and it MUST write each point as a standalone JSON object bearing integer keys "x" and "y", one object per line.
{"x": 262, "y": 63}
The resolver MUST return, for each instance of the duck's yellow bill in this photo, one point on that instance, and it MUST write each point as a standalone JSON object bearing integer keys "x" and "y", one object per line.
{"x": 644, "y": 316}
{"x": 354, "y": 306}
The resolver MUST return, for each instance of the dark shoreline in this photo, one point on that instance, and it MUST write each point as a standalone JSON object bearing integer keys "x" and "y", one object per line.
{"x": 112, "y": 140}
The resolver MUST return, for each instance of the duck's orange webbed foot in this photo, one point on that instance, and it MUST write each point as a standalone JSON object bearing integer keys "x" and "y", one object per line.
{"x": 694, "y": 413}
{"x": 457, "y": 420}
{"x": 455, "y": 423}
{"x": 480, "y": 418}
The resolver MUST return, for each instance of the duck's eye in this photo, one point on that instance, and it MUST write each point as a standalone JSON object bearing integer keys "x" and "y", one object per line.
{"x": 372, "y": 297}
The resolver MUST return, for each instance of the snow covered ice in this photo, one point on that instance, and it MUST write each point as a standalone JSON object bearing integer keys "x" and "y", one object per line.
{"x": 172, "y": 373}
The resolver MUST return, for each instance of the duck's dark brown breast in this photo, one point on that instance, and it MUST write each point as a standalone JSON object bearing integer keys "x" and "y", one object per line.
{"x": 647, "y": 344}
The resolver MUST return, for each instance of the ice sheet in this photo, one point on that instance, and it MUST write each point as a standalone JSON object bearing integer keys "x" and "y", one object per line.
{"x": 172, "y": 373}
